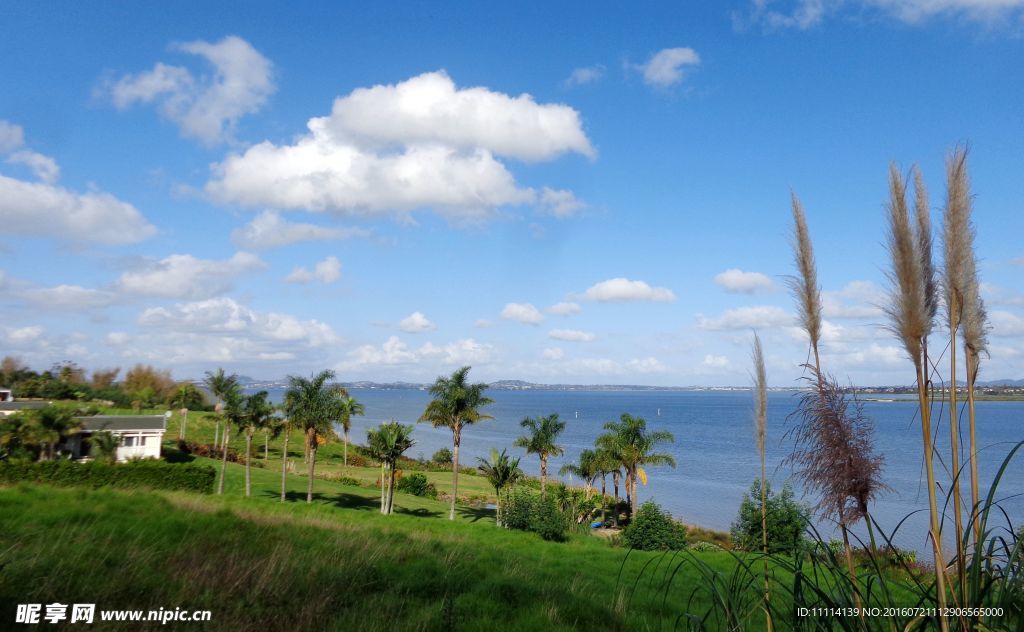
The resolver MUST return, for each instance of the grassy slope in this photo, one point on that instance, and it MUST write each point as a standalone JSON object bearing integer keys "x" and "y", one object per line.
{"x": 335, "y": 564}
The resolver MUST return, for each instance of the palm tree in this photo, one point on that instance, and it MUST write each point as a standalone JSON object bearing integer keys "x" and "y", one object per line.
{"x": 52, "y": 423}
{"x": 233, "y": 414}
{"x": 220, "y": 385}
{"x": 456, "y": 404}
{"x": 257, "y": 413}
{"x": 185, "y": 395}
{"x": 313, "y": 404}
{"x": 635, "y": 446}
{"x": 105, "y": 444}
{"x": 387, "y": 444}
{"x": 501, "y": 472}
{"x": 541, "y": 441}
{"x": 285, "y": 426}
{"x": 586, "y": 469}
{"x": 607, "y": 461}
{"x": 349, "y": 407}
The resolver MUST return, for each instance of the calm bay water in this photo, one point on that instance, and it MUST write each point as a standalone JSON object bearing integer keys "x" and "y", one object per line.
{"x": 715, "y": 447}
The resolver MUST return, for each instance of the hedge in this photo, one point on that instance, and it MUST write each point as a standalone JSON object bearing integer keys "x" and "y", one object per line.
{"x": 131, "y": 475}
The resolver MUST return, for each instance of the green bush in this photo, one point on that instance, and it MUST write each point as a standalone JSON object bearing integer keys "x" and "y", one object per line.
{"x": 517, "y": 509}
{"x": 787, "y": 519}
{"x": 653, "y": 529}
{"x": 131, "y": 475}
{"x": 442, "y": 457}
{"x": 417, "y": 485}
{"x": 548, "y": 521}
{"x": 705, "y": 547}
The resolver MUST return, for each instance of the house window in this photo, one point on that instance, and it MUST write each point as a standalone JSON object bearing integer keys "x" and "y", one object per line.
{"x": 129, "y": 441}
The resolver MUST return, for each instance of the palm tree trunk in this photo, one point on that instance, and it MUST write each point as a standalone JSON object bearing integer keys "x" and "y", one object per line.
{"x": 346, "y": 448}
{"x": 383, "y": 486}
{"x": 615, "y": 484}
{"x": 248, "y": 463}
{"x": 543, "y": 474}
{"x": 604, "y": 498}
{"x": 497, "y": 507}
{"x": 266, "y": 446}
{"x": 223, "y": 462}
{"x": 312, "y": 464}
{"x": 391, "y": 490}
{"x": 455, "y": 472}
{"x": 284, "y": 465}
{"x": 216, "y": 435}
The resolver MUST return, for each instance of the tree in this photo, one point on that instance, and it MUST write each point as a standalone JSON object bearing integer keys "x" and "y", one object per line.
{"x": 785, "y": 521}
{"x": 387, "y": 444}
{"x": 456, "y": 404}
{"x": 349, "y": 407}
{"x": 17, "y": 437}
{"x": 544, "y": 432}
{"x": 608, "y": 461}
{"x": 104, "y": 378}
{"x": 184, "y": 397}
{"x": 257, "y": 413}
{"x": 587, "y": 469}
{"x": 49, "y": 425}
{"x": 233, "y": 415}
{"x": 219, "y": 384}
{"x": 501, "y": 472}
{"x": 148, "y": 384}
{"x": 104, "y": 446}
{"x": 313, "y": 404}
{"x": 634, "y": 445}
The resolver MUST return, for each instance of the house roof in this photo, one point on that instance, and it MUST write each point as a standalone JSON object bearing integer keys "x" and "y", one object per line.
{"x": 22, "y": 405}
{"x": 121, "y": 423}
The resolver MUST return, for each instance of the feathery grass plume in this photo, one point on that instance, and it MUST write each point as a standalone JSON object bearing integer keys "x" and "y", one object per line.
{"x": 925, "y": 247}
{"x": 908, "y": 309}
{"x": 908, "y": 313}
{"x": 973, "y": 319}
{"x": 761, "y": 428}
{"x": 805, "y": 285}
{"x": 834, "y": 453}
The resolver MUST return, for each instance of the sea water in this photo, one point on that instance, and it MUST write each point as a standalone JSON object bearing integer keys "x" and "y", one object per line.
{"x": 715, "y": 447}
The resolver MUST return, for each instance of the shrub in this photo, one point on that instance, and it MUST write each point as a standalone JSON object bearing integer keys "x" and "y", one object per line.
{"x": 131, "y": 475}
{"x": 786, "y": 521}
{"x": 517, "y": 509}
{"x": 548, "y": 521}
{"x": 417, "y": 485}
{"x": 705, "y": 547}
{"x": 357, "y": 460}
{"x": 442, "y": 457}
{"x": 653, "y": 529}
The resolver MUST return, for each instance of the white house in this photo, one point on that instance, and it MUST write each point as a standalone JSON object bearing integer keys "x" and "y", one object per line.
{"x": 139, "y": 436}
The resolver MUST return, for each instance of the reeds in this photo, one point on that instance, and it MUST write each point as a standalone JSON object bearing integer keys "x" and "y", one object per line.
{"x": 908, "y": 311}
{"x": 761, "y": 431}
{"x": 805, "y": 284}
{"x": 962, "y": 288}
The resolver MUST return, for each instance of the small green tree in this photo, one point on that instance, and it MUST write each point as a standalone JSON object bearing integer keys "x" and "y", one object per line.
{"x": 387, "y": 444}
{"x": 786, "y": 518}
{"x": 104, "y": 446}
{"x": 442, "y": 457}
{"x": 541, "y": 440}
{"x": 501, "y": 472}
{"x": 653, "y": 529}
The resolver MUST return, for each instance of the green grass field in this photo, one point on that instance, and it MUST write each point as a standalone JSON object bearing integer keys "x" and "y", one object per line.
{"x": 334, "y": 564}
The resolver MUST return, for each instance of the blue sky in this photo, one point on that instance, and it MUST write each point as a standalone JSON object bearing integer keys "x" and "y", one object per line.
{"x": 582, "y": 193}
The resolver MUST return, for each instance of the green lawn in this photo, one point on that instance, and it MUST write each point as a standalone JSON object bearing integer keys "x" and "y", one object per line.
{"x": 334, "y": 564}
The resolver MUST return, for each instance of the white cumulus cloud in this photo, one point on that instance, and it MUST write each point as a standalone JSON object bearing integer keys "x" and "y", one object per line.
{"x": 268, "y": 230}
{"x": 394, "y": 352}
{"x": 42, "y": 209}
{"x": 552, "y": 353}
{"x": 205, "y": 107}
{"x": 571, "y": 335}
{"x": 415, "y": 323}
{"x": 44, "y": 167}
{"x": 187, "y": 277}
{"x": 69, "y": 297}
{"x": 621, "y": 290}
{"x": 523, "y": 313}
{"x": 564, "y": 308}
{"x": 665, "y": 67}
{"x": 11, "y": 136}
{"x": 737, "y": 281}
{"x": 716, "y": 361}
{"x": 755, "y": 317}
{"x": 326, "y": 271}
{"x": 585, "y": 75}
{"x": 419, "y": 144}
